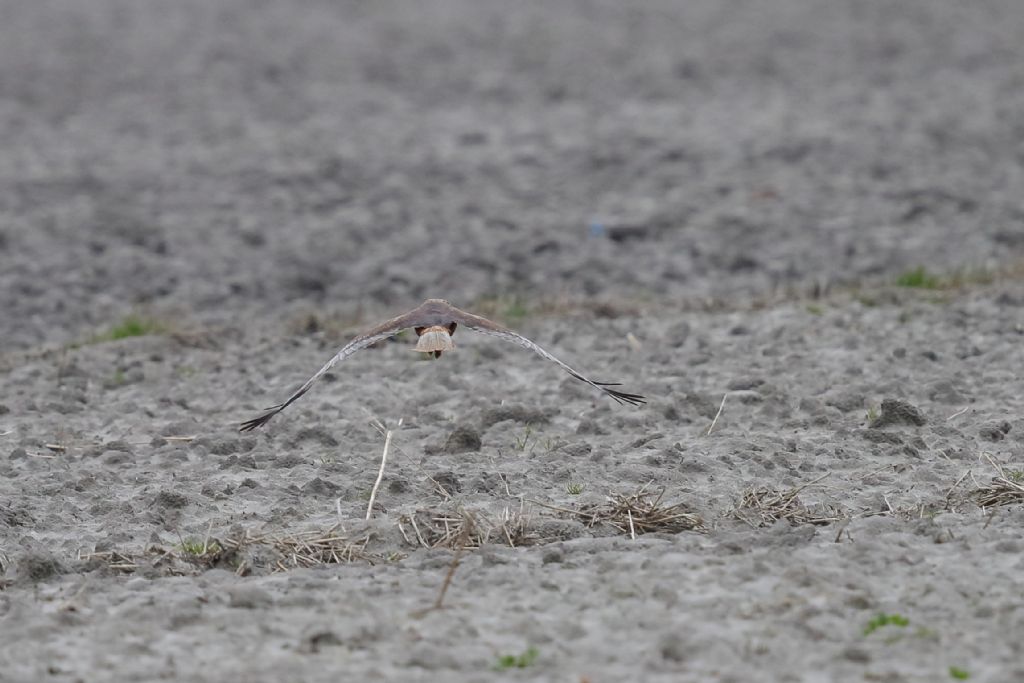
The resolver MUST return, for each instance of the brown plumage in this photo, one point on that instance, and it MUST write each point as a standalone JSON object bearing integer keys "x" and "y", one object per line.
{"x": 435, "y": 322}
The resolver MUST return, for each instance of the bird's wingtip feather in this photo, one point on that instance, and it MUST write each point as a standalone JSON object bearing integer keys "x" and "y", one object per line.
{"x": 259, "y": 421}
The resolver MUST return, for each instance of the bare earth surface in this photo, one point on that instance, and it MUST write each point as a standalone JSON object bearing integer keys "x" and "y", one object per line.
{"x": 700, "y": 200}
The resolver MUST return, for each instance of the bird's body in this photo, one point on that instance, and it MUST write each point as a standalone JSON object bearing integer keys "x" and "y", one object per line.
{"x": 435, "y": 321}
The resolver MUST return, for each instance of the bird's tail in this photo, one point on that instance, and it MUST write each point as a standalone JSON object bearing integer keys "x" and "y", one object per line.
{"x": 435, "y": 340}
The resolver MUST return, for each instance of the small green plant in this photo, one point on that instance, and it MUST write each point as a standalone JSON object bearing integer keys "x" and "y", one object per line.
{"x": 925, "y": 633}
{"x": 574, "y": 488}
{"x": 919, "y": 278}
{"x": 520, "y": 661}
{"x": 522, "y": 441}
{"x": 872, "y": 414}
{"x": 958, "y": 674}
{"x": 118, "y": 378}
{"x": 186, "y": 371}
{"x": 880, "y": 620}
{"x": 199, "y": 548}
{"x": 815, "y": 309}
{"x": 1016, "y": 476}
{"x": 510, "y": 308}
{"x": 866, "y": 299}
{"x": 515, "y": 310}
{"x": 130, "y": 326}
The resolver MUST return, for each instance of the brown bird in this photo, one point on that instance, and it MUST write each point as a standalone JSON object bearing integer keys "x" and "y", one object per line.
{"x": 434, "y": 322}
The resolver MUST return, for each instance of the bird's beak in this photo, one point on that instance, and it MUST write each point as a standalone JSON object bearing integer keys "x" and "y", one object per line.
{"x": 435, "y": 339}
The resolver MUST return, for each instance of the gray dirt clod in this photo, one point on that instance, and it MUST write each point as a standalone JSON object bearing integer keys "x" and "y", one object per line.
{"x": 462, "y": 440}
{"x": 897, "y": 412}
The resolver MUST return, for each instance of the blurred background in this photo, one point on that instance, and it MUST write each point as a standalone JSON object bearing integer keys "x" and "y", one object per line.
{"x": 244, "y": 161}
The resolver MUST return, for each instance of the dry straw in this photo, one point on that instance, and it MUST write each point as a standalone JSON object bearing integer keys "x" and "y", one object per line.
{"x": 304, "y": 549}
{"x": 465, "y": 529}
{"x": 772, "y": 505}
{"x": 1006, "y": 488}
{"x": 383, "y": 461}
{"x": 641, "y": 512}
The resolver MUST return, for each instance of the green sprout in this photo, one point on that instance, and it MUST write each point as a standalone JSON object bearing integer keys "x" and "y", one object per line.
{"x": 522, "y": 441}
{"x": 919, "y": 278}
{"x": 880, "y": 620}
{"x": 520, "y": 661}
{"x": 199, "y": 548}
{"x": 130, "y": 326}
{"x": 510, "y": 308}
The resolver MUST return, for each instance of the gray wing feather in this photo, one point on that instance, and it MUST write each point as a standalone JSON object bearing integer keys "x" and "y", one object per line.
{"x": 379, "y": 333}
{"x": 488, "y": 327}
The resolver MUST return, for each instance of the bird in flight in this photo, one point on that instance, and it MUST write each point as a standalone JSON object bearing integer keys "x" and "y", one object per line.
{"x": 435, "y": 321}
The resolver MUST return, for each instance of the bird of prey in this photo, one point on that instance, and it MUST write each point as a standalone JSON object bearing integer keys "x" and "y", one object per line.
{"x": 434, "y": 322}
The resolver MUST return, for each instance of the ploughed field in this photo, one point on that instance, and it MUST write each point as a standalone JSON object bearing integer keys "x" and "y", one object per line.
{"x": 794, "y": 228}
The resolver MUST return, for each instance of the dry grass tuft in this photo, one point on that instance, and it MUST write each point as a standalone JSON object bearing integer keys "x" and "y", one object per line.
{"x": 306, "y": 549}
{"x": 465, "y": 529}
{"x": 642, "y": 512}
{"x": 771, "y": 505}
{"x": 5, "y": 562}
{"x": 112, "y": 559}
{"x": 168, "y": 561}
{"x": 301, "y": 550}
{"x": 1006, "y": 488}
{"x": 1001, "y": 491}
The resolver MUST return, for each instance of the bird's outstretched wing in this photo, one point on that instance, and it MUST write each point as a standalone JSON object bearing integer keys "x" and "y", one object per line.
{"x": 382, "y": 331}
{"x": 485, "y": 326}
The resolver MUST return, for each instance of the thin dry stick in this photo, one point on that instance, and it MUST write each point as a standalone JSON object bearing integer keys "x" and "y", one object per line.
{"x": 556, "y": 507}
{"x": 717, "y": 415}
{"x": 69, "y": 604}
{"x": 440, "y": 489}
{"x": 997, "y": 466}
{"x": 991, "y": 516}
{"x": 953, "y": 487}
{"x": 958, "y": 413}
{"x": 632, "y": 531}
{"x": 206, "y": 541}
{"x": 412, "y": 520}
{"x": 401, "y": 529}
{"x": 380, "y": 474}
{"x": 463, "y": 538}
{"x": 875, "y": 471}
{"x": 885, "y": 499}
{"x": 812, "y": 482}
{"x": 456, "y": 557}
